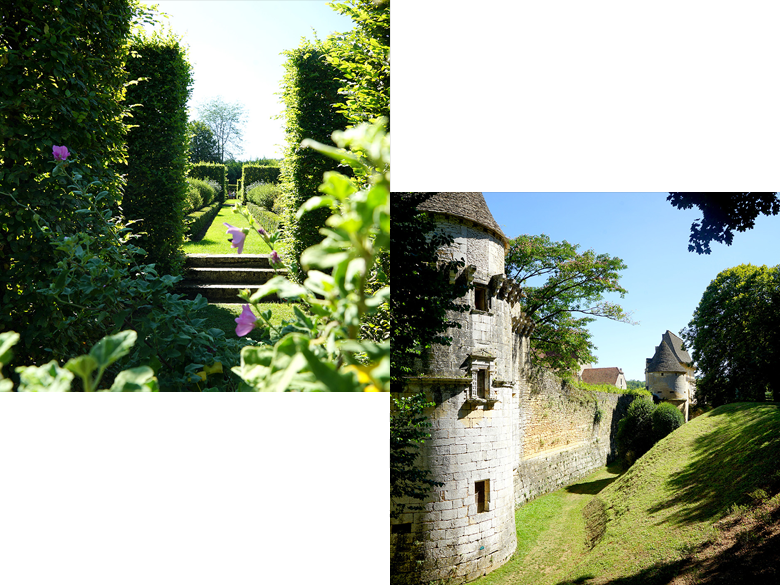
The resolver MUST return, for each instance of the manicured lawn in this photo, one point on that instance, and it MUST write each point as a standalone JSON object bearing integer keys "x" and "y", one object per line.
{"x": 224, "y": 317}
{"x": 216, "y": 239}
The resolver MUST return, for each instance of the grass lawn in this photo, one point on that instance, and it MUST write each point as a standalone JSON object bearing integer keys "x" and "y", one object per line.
{"x": 216, "y": 239}
{"x": 224, "y": 317}
{"x": 551, "y": 534}
{"x": 689, "y": 511}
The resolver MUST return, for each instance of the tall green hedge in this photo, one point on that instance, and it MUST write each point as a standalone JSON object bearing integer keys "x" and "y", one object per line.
{"x": 214, "y": 171}
{"x": 309, "y": 90}
{"x": 251, "y": 173}
{"x": 157, "y": 147}
{"x": 62, "y": 84}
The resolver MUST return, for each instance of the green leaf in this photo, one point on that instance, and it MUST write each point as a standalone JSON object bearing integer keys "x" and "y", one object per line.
{"x": 7, "y": 340}
{"x": 112, "y": 347}
{"x": 48, "y": 378}
{"x": 140, "y": 379}
{"x": 83, "y": 366}
{"x": 318, "y": 256}
{"x": 281, "y": 286}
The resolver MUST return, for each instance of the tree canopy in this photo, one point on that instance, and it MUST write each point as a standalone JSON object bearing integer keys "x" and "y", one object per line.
{"x": 722, "y": 213}
{"x": 225, "y": 121}
{"x": 203, "y": 143}
{"x": 571, "y": 296}
{"x": 734, "y": 336}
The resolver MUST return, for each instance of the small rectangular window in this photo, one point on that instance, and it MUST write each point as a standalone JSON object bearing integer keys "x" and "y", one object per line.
{"x": 405, "y": 528}
{"x": 482, "y": 495}
{"x": 480, "y": 298}
{"x": 481, "y": 384}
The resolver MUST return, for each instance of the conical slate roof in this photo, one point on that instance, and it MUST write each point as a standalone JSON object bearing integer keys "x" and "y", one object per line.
{"x": 677, "y": 347}
{"x": 664, "y": 360}
{"x": 470, "y": 206}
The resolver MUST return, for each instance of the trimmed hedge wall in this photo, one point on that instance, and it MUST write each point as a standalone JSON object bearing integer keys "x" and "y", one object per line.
{"x": 252, "y": 173}
{"x": 269, "y": 220}
{"x": 63, "y": 84}
{"x": 157, "y": 147}
{"x": 309, "y": 89}
{"x": 197, "y": 221}
{"x": 214, "y": 171}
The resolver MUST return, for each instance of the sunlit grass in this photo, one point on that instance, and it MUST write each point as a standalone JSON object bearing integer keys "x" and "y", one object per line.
{"x": 216, "y": 239}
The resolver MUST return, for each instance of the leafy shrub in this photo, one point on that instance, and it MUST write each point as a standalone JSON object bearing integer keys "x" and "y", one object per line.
{"x": 214, "y": 185}
{"x": 200, "y": 194}
{"x": 193, "y": 201}
{"x": 635, "y": 430}
{"x": 263, "y": 195}
{"x": 211, "y": 171}
{"x": 666, "y": 418}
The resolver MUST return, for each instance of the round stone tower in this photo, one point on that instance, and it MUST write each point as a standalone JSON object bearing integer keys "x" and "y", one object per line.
{"x": 466, "y": 527}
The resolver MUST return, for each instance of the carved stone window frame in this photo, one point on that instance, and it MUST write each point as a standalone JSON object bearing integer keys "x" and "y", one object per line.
{"x": 481, "y": 366}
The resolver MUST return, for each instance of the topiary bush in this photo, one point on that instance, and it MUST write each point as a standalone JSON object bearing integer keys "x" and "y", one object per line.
{"x": 666, "y": 418}
{"x": 212, "y": 172}
{"x": 635, "y": 430}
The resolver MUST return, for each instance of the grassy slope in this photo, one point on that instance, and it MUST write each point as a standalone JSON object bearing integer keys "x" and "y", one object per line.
{"x": 550, "y": 534}
{"x": 216, "y": 239}
{"x": 658, "y": 522}
{"x": 664, "y": 509}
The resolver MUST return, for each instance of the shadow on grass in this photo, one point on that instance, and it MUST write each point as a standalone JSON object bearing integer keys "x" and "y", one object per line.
{"x": 225, "y": 319}
{"x": 751, "y": 560}
{"x": 594, "y": 487}
{"x": 727, "y": 464}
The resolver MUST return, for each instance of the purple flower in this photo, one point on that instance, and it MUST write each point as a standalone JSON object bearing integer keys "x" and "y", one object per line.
{"x": 246, "y": 321}
{"x": 261, "y": 231}
{"x": 60, "y": 152}
{"x": 275, "y": 258}
{"x": 238, "y": 236}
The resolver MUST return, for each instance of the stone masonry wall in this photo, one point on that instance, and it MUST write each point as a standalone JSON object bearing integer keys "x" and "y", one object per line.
{"x": 450, "y": 538}
{"x": 564, "y": 438}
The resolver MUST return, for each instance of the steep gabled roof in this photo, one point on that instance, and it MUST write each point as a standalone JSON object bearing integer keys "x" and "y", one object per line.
{"x": 601, "y": 375}
{"x": 677, "y": 347}
{"x": 469, "y": 206}
{"x": 665, "y": 360}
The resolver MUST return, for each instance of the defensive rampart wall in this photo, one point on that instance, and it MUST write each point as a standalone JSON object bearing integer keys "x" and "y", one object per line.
{"x": 566, "y": 434}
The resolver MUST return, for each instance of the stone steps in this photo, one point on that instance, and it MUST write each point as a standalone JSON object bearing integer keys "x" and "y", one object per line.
{"x": 219, "y": 277}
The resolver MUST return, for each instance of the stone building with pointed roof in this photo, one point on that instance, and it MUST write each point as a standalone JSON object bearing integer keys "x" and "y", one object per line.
{"x": 669, "y": 373}
{"x": 499, "y": 436}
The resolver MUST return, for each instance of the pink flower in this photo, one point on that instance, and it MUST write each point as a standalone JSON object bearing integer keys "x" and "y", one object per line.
{"x": 246, "y": 321}
{"x": 238, "y": 236}
{"x": 60, "y": 152}
{"x": 275, "y": 258}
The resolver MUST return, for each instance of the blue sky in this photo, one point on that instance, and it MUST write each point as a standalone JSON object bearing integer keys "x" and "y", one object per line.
{"x": 235, "y": 49}
{"x": 665, "y": 282}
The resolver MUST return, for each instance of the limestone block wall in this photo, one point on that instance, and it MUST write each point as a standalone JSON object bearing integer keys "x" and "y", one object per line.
{"x": 471, "y": 242}
{"x": 452, "y": 538}
{"x": 564, "y": 438}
